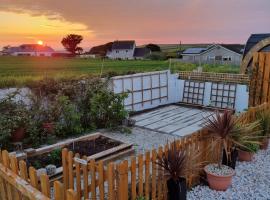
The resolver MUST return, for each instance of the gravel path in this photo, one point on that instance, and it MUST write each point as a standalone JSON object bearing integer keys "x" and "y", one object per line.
{"x": 252, "y": 181}
{"x": 142, "y": 139}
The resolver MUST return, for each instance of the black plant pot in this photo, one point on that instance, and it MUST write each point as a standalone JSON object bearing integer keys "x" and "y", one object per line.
{"x": 231, "y": 162}
{"x": 177, "y": 190}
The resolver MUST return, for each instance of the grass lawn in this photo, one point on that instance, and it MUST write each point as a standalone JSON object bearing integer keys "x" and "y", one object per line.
{"x": 18, "y": 71}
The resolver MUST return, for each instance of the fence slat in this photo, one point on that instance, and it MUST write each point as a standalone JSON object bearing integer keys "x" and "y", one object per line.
{"x": 70, "y": 170}
{"x": 111, "y": 177}
{"x": 71, "y": 195}
{"x": 147, "y": 172}
{"x": 65, "y": 168}
{"x": 78, "y": 177}
{"x": 154, "y": 173}
{"x": 33, "y": 177}
{"x": 23, "y": 170}
{"x": 159, "y": 187}
{"x": 101, "y": 180}
{"x": 140, "y": 174}
{"x": 45, "y": 185}
{"x": 85, "y": 180}
{"x": 6, "y": 162}
{"x": 123, "y": 181}
{"x": 58, "y": 190}
{"x": 133, "y": 179}
{"x": 14, "y": 167}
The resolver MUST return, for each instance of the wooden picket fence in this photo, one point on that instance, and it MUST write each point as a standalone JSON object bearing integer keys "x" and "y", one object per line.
{"x": 138, "y": 176}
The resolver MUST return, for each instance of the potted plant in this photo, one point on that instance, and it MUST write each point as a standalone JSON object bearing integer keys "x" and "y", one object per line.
{"x": 174, "y": 163}
{"x": 247, "y": 153}
{"x": 264, "y": 120}
{"x": 227, "y": 131}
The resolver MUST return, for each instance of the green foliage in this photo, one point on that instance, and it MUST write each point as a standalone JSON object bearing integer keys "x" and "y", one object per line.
{"x": 55, "y": 156}
{"x": 14, "y": 115}
{"x": 156, "y": 56}
{"x": 71, "y": 41}
{"x": 251, "y": 147}
{"x": 107, "y": 109}
{"x": 264, "y": 121}
{"x": 69, "y": 119}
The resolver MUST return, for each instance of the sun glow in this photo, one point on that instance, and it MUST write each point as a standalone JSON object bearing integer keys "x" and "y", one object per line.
{"x": 40, "y": 42}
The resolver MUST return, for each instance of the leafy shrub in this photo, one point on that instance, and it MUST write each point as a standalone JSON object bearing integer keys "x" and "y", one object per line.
{"x": 14, "y": 115}
{"x": 251, "y": 147}
{"x": 107, "y": 109}
{"x": 69, "y": 120}
{"x": 156, "y": 56}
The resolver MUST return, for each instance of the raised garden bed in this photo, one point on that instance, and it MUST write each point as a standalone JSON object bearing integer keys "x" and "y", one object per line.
{"x": 94, "y": 146}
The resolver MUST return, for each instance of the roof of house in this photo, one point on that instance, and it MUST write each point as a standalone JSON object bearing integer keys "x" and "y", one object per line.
{"x": 30, "y": 48}
{"x": 254, "y": 39}
{"x": 238, "y": 48}
{"x": 141, "y": 52}
{"x": 123, "y": 44}
{"x": 195, "y": 50}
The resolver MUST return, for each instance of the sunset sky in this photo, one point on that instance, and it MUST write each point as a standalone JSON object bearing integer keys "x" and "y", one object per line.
{"x": 155, "y": 21}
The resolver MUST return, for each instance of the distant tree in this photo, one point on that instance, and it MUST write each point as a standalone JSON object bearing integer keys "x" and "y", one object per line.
{"x": 71, "y": 41}
{"x": 153, "y": 47}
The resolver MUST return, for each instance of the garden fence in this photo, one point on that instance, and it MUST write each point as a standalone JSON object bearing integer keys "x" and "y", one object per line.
{"x": 139, "y": 176}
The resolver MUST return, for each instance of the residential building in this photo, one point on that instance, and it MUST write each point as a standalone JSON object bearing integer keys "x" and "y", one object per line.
{"x": 126, "y": 50}
{"x": 30, "y": 50}
{"x": 230, "y": 54}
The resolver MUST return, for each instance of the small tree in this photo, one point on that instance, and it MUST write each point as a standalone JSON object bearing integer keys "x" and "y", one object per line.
{"x": 71, "y": 41}
{"x": 153, "y": 47}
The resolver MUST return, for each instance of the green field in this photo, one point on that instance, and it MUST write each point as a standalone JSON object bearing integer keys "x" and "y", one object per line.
{"x": 19, "y": 71}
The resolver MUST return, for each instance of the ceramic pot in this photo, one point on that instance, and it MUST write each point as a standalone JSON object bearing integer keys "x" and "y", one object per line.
{"x": 18, "y": 135}
{"x": 245, "y": 155}
{"x": 218, "y": 182}
{"x": 177, "y": 189}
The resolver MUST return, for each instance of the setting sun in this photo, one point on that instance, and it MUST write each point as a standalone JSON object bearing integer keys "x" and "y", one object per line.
{"x": 40, "y": 42}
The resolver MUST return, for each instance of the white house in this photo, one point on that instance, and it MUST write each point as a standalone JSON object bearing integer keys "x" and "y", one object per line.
{"x": 126, "y": 50}
{"x": 30, "y": 50}
{"x": 215, "y": 54}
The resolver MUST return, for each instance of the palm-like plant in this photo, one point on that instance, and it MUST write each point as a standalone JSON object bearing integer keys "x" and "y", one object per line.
{"x": 264, "y": 121}
{"x": 173, "y": 161}
{"x": 227, "y": 129}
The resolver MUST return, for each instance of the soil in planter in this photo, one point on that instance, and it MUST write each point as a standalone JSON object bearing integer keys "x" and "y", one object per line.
{"x": 84, "y": 148}
{"x": 41, "y": 161}
{"x": 91, "y": 147}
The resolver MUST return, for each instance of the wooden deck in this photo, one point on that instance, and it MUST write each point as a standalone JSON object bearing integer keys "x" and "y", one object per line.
{"x": 174, "y": 119}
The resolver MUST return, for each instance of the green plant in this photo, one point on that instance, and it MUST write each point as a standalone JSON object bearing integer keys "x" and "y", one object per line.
{"x": 37, "y": 164}
{"x": 14, "y": 115}
{"x": 264, "y": 121}
{"x": 107, "y": 109}
{"x": 227, "y": 129}
{"x": 55, "y": 156}
{"x": 69, "y": 119}
{"x": 173, "y": 161}
{"x": 251, "y": 147}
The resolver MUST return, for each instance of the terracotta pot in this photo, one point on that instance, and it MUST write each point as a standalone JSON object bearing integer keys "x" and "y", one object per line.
{"x": 245, "y": 155}
{"x": 18, "y": 135}
{"x": 264, "y": 144}
{"x": 48, "y": 126}
{"x": 217, "y": 182}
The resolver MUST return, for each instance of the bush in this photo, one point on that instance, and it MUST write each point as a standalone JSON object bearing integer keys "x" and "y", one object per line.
{"x": 69, "y": 118}
{"x": 156, "y": 56}
{"x": 107, "y": 109}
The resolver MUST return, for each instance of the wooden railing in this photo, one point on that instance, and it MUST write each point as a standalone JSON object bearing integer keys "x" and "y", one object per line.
{"x": 138, "y": 176}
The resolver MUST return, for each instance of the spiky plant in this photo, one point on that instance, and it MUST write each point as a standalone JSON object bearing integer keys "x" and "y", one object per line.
{"x": 227, "y": 129}
{"x": 173, "y": 161}
{"x": 264, "y": 121}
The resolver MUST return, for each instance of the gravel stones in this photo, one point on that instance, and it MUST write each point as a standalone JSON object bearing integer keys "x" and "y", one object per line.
{"x": 251, "y": 181}
{"x": 223, "y": 171}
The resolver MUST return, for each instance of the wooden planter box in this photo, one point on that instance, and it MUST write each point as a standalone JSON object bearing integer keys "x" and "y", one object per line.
{"x": 108, "y": 155}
